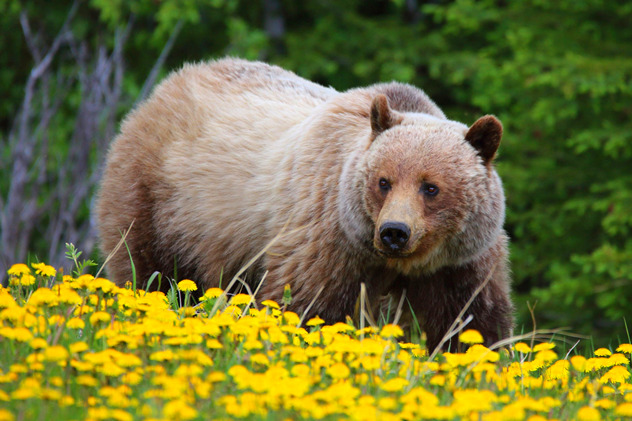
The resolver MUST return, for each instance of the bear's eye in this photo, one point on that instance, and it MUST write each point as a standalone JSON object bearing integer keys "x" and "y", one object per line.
{"x": 384, "y": 184}
{"x": 429, "y": 189}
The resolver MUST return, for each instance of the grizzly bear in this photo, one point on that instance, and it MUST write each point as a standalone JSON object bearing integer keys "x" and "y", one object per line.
{"x": 375, "y": 185}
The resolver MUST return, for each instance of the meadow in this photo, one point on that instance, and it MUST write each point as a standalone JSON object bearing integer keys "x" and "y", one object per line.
{"x": 76, "y": 347}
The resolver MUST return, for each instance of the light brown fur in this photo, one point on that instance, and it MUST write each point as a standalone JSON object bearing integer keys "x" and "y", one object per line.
{"x": 226, "y": 155}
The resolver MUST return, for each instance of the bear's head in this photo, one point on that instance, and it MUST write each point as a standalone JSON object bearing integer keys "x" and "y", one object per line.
{"x": 430, "y": 188}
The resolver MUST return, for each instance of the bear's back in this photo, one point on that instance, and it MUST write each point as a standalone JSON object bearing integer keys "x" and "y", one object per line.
{"x": 268, "y": 81}
{"x": 189, "y": 153}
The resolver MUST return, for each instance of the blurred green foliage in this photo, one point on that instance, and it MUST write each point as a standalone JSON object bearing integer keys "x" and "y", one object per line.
{"x": 558, "y": 74}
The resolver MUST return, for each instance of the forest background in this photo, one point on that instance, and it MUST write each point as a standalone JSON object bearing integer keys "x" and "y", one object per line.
{"x": 558, "y": 74}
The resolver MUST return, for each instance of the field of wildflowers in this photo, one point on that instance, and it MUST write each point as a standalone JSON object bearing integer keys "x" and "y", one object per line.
{"x": 81, "y": 348}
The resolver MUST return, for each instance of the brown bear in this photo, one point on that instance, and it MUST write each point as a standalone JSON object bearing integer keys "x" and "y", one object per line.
{"x": 373, "y": 185}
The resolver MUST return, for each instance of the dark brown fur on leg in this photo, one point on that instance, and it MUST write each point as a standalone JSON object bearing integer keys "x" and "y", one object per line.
{"x": 438, "y": 298}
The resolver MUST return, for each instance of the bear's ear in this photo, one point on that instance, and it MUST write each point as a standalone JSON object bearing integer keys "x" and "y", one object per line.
{"x": 382, "y": 116}
{"x": 485, "y": 135}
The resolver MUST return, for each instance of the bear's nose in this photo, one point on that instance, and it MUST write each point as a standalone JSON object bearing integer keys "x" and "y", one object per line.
{"x": 394, "y": 235}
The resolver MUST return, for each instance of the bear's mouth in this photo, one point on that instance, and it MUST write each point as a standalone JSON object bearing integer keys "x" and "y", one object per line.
{"x": 393, "y": 254}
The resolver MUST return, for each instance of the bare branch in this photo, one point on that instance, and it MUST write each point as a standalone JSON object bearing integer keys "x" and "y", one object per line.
{"x": 29, "y": 38}
{"x": 50, "y": 204}
{"x": 13, "y": 240}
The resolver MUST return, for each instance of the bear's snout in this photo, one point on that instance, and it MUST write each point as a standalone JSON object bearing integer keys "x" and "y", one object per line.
{"x": 394, "y": 235}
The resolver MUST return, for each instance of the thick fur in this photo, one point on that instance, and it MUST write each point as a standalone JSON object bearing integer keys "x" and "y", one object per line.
{"x": 226, "y": 155}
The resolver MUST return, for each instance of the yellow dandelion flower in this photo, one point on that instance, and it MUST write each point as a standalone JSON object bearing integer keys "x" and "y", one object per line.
{"x": 50, "y": 394}
{"x": 624, "y": 409}
{"x": 370, "y": 362}
{"x": 578, "y": 362}
{"x": 391, "y": 331}
{"x": 66, "y": 294}
{"x": 300, "y": 370}
{"x": 81, "y": 365}
{"x": 338, "y": 327}
{"x": 166, "y": 355}
{"x": 586, "y": 413}
{"x": 25, "y": 280}
{"x": 237, "y": 371}
{"x": 481, "y": 353}
{"x": 100, "y": 316}
{"x": 315, "y": 321}
{"x": 603, "y": 352}
{"x": 420, "y": 395}
{"x": 543, "y": 346}
{"x": 66, "y": 401}
{"x": 468, "y": 400}
{"x": 291, "y": 318}
{"x": 216, "y": 376}
{"x": 24, "y": 393}
{"x": 270, "y": 303}
{"x": 188, "y": 370}
{"x": 6, "y": 300}
{"x": 132, "y": 378}
{"x": 387, "y": 404}
{"x": 438, "y": 380}
{"x": 559, "y": 370}
{"x": 187, "y": 311}
{"x": 78, "y": 347}
{"x": 102, "y": 284}
{"x": 81, "y": 282}
{"x": 214, "y": 344}
{"x": 522, "y": 347}
{"x": 368, "y": 330}
{"x": 545, "y": 356}
{"x": 56, "y": 381}
{"x": 179, "y": 409}
{"x": 617, "y": 374}
{"x": 187, "y": 285}
{"x": 253, "y": 344}
{"x": 75, "y": 323}
{"x": 593, "y": 364}
{"x": 605, "y": 404}
{"x": 118, "y": 414}
{"x": 56, "y": 319}
{"x": 607, "y": 390}
{"x": 111, "y": 370}
{"x": 260, "y": 359}
{"x": 56, "y": 353}
{"x": 5, "y": 414}
{"x": 471, "y": 336}
{"x": 394, "y": 385}
{"x": 625, "y": 348}
{"x": 128, "y": 360}
{"x": 339, "y": 371}
{"x": 211, "y": 293}
{"x": 240, "y": 299}
{"x": 43, "y": 296}
{"x": 38, "y": 343}
{"x": 20, "y": 334}
{"x": 18, "y": 269}
{"x": 44, "y": 269}
{"x": 618, "y": 359}
{"x": 230, "y": 313}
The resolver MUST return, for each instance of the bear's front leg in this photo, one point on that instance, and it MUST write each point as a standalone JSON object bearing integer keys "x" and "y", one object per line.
{"x": 438, "y": 298}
